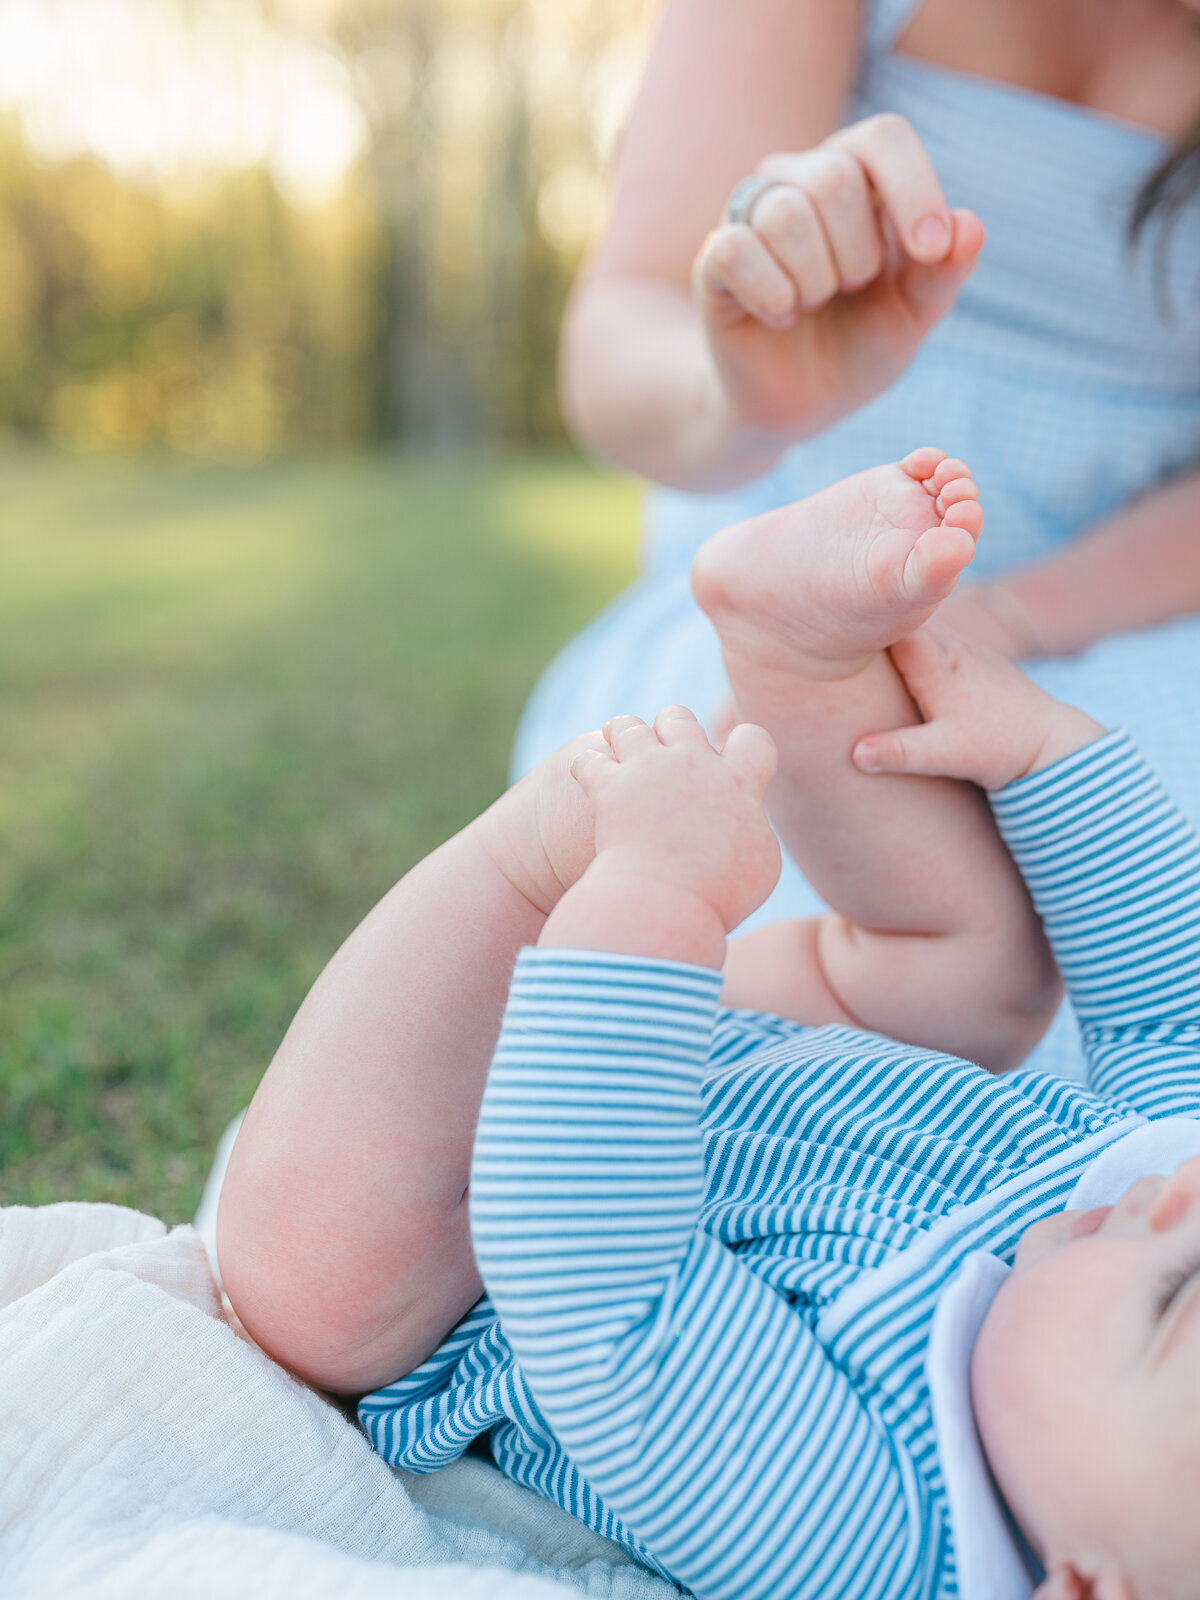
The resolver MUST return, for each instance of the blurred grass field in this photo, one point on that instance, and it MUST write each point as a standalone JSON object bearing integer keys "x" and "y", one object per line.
{"x": 235, "y": 705}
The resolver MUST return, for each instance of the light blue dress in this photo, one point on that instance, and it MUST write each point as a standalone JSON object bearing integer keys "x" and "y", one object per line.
{"x": 1068, "y": 375}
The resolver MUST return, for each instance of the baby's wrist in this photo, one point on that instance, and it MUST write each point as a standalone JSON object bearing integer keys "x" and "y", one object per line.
{"x": 1069, "y": 729}
{"x": 539, "y": 833}
{"x": 617, "y": 906}
{"x": 507, "y": 832}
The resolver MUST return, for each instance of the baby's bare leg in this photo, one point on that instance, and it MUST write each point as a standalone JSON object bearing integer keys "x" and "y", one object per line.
{"x": 343, "y": 1230}
{"x": 934, "y": 940}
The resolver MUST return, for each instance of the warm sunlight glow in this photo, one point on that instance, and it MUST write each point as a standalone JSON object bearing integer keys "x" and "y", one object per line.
{"x": 159, "y": 91}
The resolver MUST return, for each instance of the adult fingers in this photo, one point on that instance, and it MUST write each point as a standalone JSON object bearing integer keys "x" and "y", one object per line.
{"x": 835, "y": 186}
{"x": 903, "y": 177}
{"x": 786, "y": 219}
{"x": 736, "y": 269}
{"x": 932, "y": 288}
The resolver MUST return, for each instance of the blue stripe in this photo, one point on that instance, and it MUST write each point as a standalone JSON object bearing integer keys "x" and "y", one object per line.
{"x": 714, "y": 1242}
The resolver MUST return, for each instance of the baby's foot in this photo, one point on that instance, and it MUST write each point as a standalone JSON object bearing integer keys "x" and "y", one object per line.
{"x": 819, "y": 586}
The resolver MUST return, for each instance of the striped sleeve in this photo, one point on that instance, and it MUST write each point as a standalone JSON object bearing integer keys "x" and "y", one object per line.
{"x": 1114, "y": 871}
{"x": 691, "y": 1397}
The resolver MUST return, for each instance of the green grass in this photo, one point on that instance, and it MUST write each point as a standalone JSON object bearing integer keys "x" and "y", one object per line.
{"x": 235, "y": 705}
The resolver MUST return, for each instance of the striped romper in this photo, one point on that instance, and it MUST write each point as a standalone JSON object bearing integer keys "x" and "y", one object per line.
{"x": 714, "y": 1243}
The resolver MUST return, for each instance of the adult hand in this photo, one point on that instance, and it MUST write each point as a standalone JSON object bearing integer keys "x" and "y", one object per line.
{"x": 819, "y": 299}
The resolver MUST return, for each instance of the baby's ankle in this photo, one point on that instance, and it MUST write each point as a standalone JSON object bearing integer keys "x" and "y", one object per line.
{"x": 766, "y": 663}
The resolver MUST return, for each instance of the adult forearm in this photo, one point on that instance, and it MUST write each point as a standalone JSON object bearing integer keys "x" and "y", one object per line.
{"x": 1139, "y": 568}
{"x": 640, "y": 389}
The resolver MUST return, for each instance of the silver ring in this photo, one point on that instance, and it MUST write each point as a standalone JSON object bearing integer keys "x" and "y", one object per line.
{"x": 748, "y": 193}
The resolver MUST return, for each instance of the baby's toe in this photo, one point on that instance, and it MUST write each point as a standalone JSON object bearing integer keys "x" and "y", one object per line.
{"x": 936, "y": 560}
{"x": 947, "y": 470}
{"x": 967, "y": 515}
{"x": 922, "y": 463}
{"x": 956, "y": 490}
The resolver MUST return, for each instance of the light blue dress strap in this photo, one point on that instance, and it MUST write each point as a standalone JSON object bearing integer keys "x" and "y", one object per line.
{"x": 886, "y": 20}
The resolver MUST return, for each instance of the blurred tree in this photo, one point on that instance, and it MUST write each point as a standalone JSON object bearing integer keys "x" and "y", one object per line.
{"x": 420, "y": 301}
{"x": 479, "y": 109}
{"x": 219, "y": 320}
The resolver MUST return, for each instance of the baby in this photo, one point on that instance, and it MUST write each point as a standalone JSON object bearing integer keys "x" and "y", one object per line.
{"x": 792, "y": 1299}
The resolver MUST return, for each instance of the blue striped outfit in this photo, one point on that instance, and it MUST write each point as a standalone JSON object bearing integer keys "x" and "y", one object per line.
{"x": 714, "y": 1242}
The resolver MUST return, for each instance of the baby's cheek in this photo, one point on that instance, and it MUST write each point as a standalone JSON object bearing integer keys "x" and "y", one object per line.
{"x": 1007, "y": 1407}
{"x": 1044, "y": 1238}
{"x": 1027, "y": 1380}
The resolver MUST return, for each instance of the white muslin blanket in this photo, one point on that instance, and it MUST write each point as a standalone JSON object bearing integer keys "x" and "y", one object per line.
{"x": 146, "y": 1450}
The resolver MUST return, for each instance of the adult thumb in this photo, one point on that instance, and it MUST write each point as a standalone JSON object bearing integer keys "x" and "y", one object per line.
{"x": 932, "y": 289}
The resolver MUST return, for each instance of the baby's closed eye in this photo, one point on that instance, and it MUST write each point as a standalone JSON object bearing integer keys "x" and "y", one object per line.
{"x": 1173, "y": 1285}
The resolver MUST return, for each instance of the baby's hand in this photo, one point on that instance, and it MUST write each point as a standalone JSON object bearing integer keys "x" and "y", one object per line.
{"x": 984, "y": 719}
{"x": 684, "y": 850}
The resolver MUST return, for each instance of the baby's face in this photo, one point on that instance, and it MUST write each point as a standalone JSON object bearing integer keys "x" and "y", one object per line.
{"x": 1086, "y": 1376}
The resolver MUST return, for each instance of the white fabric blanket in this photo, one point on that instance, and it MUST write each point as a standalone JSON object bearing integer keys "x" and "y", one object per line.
{"x": 148, "y": 1451}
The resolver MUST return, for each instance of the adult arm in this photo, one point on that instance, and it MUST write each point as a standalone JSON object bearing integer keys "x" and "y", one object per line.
{"x": 1133, "y": 570}
{"x": 705, "y": 389}
{"x": 691, "y": 1397}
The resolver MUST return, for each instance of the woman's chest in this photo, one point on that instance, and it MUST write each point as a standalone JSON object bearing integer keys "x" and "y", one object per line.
{"x": 1134, "y": 60}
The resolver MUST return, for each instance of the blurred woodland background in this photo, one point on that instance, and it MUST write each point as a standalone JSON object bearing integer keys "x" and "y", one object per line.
{"x": 241, "y": 226}
{"x": 288, "y": 522}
